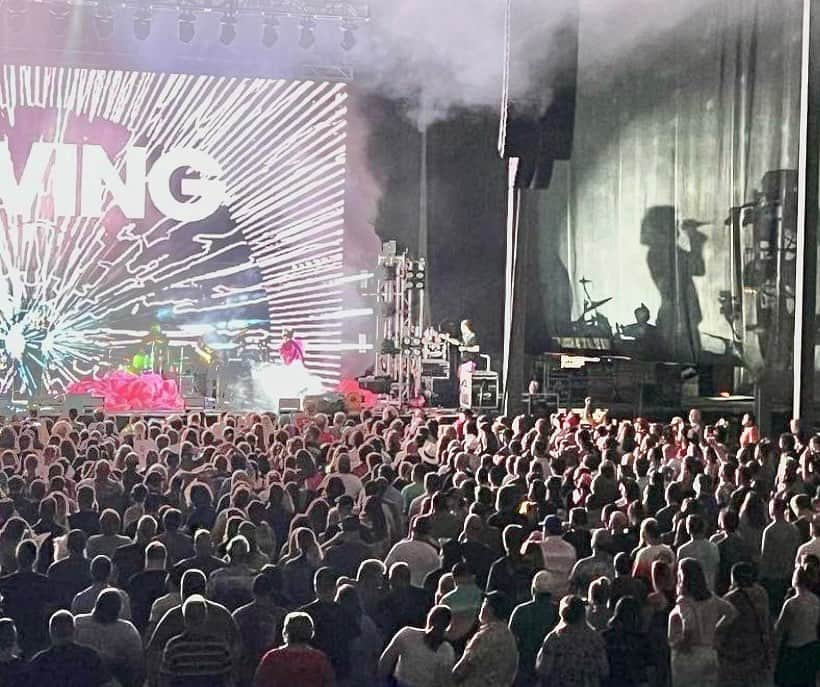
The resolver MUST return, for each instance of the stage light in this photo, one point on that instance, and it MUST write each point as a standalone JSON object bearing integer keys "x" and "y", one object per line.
{"x": 270, "y": 34}
{"x": 142, "y": 22}
{"x": 348, "y": 35}
{"x": 104, "y": 19}
{"x": 60, "y": 13}
{"x": 307, "y": 37}
{"x": 227, "y": 28}
{"x": 187, "y": 25}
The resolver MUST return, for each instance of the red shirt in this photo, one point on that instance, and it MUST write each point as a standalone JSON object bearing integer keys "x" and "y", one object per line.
{"x": 291, "y": 666}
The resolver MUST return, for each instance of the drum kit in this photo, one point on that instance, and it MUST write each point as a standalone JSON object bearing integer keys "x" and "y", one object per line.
{"x": 592, "y": 323}
{"x": 199, "y": 365}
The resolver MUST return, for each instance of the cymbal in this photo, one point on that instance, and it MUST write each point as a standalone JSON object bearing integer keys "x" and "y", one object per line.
{"x": 589, "y": 306}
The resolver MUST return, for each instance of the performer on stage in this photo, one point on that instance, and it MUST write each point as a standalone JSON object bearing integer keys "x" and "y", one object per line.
{"x": 290, "y": 379}
{"x": 468, "y": 347}
{"x": 291, "y": 350}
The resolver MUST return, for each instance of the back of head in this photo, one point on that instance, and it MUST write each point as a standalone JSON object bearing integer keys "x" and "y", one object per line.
{"x": 692, "y": 580}
{"x": 513, "y": 537}
{"x": 729, "y": 520}
{"x": 623, "y": 563}
{"x": 100, "y": 569}
{"x": 400, "y": 576}
{"x": 108, "y": 606}
{"x": 743, "y": 574}
{"x": 195, "y": 611}
{"x": 146, "y": 528}
{"x": 298, "y": 628}
{"x": 599, "y": 591}
{"x": 110, "y": 522}
{"x": 238, "y": 549}
{"x": 155, "y": 555}
{"x": 172, "y": 520}
{"x": 61, "y": 628}
{"x": 438, "y": 621}
{"x": 26, "y": 554}
{"x": 193, "y": 583}
{"x": 572, "y": 610}
{"x": 263, "y": 586}
{"x": 627, "y": 616}
{"x": 324, "y": 583}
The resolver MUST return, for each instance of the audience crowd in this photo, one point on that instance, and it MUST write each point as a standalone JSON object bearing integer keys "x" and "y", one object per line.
{"x": 264, "y": 551}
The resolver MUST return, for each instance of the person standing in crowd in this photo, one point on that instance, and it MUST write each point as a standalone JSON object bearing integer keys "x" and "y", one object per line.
{"x": 260, "y": 626}
{"x": 796, "y": 633}
{"x": 66, "y": 663}
{"x": 694, "y": 624}
{"x": 417, "y": 551}
{"x": 117, "y": 641}
{"x": 27, "y": 600}
{"x": 573, "y": 654}
{"x": 530, "y": 623}
{"x": 490, "y": 658}
{"x": 420, "y": 657}
{"x": 334, "y": 629}
{"x": 626, "y": 646}
{"x": 13, "y": 667}
{"x": 745, "y": 650}
{"x": 196, "y": 657}
{"x": 297, "y": 662}
{"x": 781, "y": 540}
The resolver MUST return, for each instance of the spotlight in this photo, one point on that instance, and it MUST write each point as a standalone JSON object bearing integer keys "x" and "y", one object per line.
{"x": 270, "y": 34}
{"x": 227, "y": 28}
{"x": 187, "y": 25}
{"x": 348, "y": 35}
{"x": 104, "y": 19}
{"x": 60, "y": 12}
{"x": 307, "y": 37}
{"x": 142, "y": 22}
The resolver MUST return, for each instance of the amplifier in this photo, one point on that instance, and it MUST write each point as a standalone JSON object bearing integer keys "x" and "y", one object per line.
{"x": 289, "y": 405}
{"x": 479, "y": 391}
{"x": 82, "y": 403}
{"x": 196, "y": 401}
{"x": 435, "y": 369}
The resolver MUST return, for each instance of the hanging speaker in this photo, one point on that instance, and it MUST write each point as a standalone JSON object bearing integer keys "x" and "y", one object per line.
{"x": 539, "y": 118}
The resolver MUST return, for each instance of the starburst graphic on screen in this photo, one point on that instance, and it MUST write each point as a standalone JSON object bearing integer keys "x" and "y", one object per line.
{"x": 132, "y": 201}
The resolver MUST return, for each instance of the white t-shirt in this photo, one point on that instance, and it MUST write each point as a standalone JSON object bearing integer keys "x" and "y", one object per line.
{"x": 418, "y": 665}
{"x": 421, "y": 557}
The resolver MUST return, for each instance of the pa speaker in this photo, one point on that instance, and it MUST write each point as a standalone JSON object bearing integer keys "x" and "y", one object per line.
{"x": 539, "y": 121}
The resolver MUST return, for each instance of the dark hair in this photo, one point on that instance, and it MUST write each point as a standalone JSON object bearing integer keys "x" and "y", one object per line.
{"x": 743, "y": 574}
{"x": 627, "y": 616}
{"x": 572, "y": 609}
{"x": 108, "y": 606}
{"x": 438, "y": 620}
{"x": 693, "y": 580}
{"x": 263, "y": 584}
{"x": 623, "y": 563}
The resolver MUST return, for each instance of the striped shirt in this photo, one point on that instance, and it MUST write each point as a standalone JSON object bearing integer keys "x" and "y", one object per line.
{"x": 194, "y": 656}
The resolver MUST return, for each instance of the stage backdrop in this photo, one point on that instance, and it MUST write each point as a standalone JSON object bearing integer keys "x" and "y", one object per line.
{"x": 674, "y": 126}
{"x": 204, "y": 206}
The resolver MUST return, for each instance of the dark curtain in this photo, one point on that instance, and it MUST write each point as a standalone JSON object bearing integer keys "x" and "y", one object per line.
{"x": 671, "y": 131}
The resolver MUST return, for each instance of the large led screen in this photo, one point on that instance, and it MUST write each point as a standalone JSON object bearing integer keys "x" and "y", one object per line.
{"x": 209, "y": 209}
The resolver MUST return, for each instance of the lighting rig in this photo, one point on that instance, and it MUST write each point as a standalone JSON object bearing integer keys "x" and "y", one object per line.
{"x": 273, "y": 15}
{"x": 399, "y": 324}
